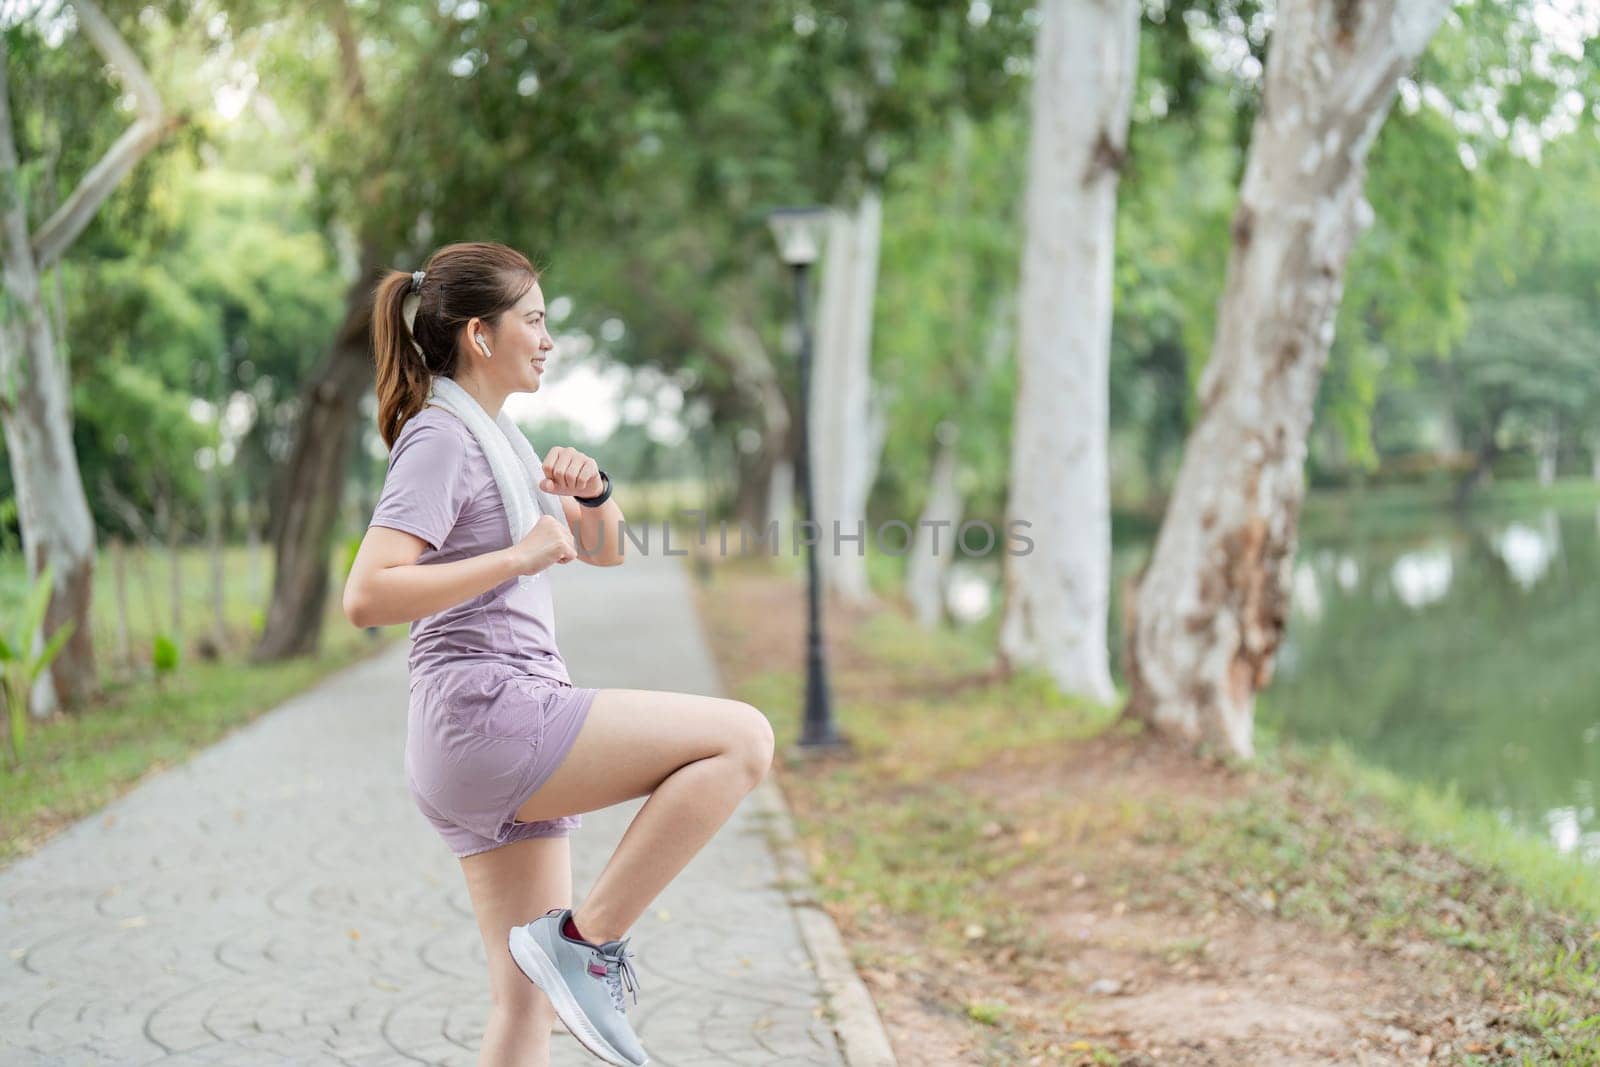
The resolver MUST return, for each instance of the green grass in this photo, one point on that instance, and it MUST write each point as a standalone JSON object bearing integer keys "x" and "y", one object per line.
{"x": 1319, "y": 837}
{"x": 1398, "y": 501}
{"x": 896, "y": 837}
{"x": 147, "y": 577}
{"x": 1355, "y": 850}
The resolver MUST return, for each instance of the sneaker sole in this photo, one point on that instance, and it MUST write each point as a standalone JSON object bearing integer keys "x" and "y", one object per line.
{"x": 541, "y": 970}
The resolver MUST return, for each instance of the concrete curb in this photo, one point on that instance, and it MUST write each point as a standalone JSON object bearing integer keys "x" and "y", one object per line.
{"x": 863, "y": 1041}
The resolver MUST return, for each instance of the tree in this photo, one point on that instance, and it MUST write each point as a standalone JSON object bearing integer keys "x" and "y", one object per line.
{"x": 1212, "y": 604}
{"x": 57, "y": 531}
{"x": 539, "y": 132}
{"x": 946, "y": 322}
{"x": 1057, "y": 597}
{"x": 1530, "y": 359}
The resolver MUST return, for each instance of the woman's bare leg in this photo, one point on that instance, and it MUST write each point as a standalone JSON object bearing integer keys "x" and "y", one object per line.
{"x": 695, "y": 756}
{"x": 511, "y": 885}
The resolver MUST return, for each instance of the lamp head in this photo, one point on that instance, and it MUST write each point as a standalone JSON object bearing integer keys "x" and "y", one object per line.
{"x": 800, "y": 232}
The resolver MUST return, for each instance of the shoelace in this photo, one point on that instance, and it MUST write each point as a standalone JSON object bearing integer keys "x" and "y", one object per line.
{"x": 620, "y": 972}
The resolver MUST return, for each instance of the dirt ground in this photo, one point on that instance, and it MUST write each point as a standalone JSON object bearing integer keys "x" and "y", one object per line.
{"x": 1169, "y": 979}
{"x": 1133, "y": 954}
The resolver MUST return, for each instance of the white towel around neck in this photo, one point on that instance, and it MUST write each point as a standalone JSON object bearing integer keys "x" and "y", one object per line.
{"x": 517, "y": 468}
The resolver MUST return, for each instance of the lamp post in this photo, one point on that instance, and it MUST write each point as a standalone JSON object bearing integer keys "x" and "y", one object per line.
{"x": 799, "y": 232}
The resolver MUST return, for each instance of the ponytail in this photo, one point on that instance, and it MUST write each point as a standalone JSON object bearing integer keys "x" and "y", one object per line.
{"x": 403, "y": 378}
{"x": 478, "y": 279}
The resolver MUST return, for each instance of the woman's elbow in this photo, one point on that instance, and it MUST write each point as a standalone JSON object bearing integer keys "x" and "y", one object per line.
{"x": 355, "y": 606}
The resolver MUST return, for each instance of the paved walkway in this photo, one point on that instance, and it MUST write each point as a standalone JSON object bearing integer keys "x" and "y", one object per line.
{"x": 278, "y": 899}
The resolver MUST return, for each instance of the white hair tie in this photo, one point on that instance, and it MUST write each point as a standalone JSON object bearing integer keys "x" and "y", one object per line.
{"x": 408, "y": 309}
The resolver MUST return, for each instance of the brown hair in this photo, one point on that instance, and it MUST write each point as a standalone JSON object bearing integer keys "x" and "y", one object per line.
{"x": 473, "y": 279}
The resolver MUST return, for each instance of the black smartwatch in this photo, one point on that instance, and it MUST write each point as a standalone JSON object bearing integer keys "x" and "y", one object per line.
{"x": 596, "y": 501}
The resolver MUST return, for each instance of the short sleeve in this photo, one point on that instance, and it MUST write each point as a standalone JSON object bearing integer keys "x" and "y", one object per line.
{"x": 424, "y": 490}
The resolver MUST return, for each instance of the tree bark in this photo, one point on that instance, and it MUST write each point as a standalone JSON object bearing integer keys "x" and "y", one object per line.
{"x": 755, "y": 378}
{"x": 119, "y": 565}
{"x": 175, "y": 564}
{"x": 847, "y": 423}
{"x": 214, "y": 555}
{"x": 1212, "y": 604}
{"x": 1547, "y": 443}
{"x": 780, "y": 495}
{"x": 146, "y": 131}
{"x": 35, "y": 398}
{"x": 52, "y": 510}
{"x": 313, "y": 480}
{"x": 934, "y": 543}
{"x": 1057, "y": 595}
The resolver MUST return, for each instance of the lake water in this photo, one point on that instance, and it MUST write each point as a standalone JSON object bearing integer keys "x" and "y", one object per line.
{"x": 1449, "y": 650}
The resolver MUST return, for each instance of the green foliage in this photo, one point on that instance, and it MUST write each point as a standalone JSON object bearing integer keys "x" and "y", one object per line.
{"x": 240, "y": 301}
{"x": 1526, "y": 356}
{"x": 945, "y": 313}
{"x": 21, "y": 665}
{"x": 1406, "y": 284}
{"x": 1459, "y": 214}
{"x": 352, "y": 545}
{"x": 163, "y": 654}
{"x": 9, "y": 542}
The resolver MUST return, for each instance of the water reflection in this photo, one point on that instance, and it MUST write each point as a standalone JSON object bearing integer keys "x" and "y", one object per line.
{"x": 1307, "y": 595}
{"x": 1567, "y": 831}
{"x": 1458, "y": 654}
{"x": 1471, "y": 666}
{"x": 1422, "y": 577}
{"x": 1527, "y": 552}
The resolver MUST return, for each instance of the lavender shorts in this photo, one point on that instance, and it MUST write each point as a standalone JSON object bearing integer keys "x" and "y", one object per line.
{"x": 482, "y": 739}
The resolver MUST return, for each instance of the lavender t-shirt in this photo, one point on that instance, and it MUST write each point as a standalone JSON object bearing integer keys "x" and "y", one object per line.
{"x": 439, "y": 486}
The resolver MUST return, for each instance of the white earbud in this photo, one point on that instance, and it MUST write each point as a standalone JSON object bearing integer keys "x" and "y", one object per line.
{"x": 483, "y": 345}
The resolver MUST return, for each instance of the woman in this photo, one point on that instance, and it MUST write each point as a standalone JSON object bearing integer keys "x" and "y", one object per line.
{"x": 503, "y": 752}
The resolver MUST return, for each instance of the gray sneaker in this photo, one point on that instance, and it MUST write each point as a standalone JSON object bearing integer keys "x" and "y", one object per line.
{"x": 584, "y": 981}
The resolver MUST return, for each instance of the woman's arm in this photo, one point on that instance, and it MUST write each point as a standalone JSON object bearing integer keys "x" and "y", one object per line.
{"x": 387, "y": 585}
{"x": 596, "y": 532}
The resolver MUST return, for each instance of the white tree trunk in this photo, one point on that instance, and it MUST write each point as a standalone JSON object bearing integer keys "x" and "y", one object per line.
{"x": 1057, "y": 594}
{"x": 756, "y": 377}
{"x": 35, "y": 404}
{"x": 1211, "y": 607}
{"x": 1548, "y": 444}
{"x": 934, "y": 543}
{"x": 847, "y": 419}
{"x": 52, "y": 511}
{"x": 780, "y": 501}
{"x": 254, "y": 552}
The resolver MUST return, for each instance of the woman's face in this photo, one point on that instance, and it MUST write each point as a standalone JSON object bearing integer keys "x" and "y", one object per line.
{"x": 519, "y": 345}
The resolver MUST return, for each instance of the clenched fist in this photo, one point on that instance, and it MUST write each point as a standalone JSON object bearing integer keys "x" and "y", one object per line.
{"x": 569, "y": 472}
{"x": 548, "y": 542}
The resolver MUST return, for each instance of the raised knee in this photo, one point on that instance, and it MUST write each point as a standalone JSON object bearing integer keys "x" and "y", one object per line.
{"x": 754, "y": 745}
